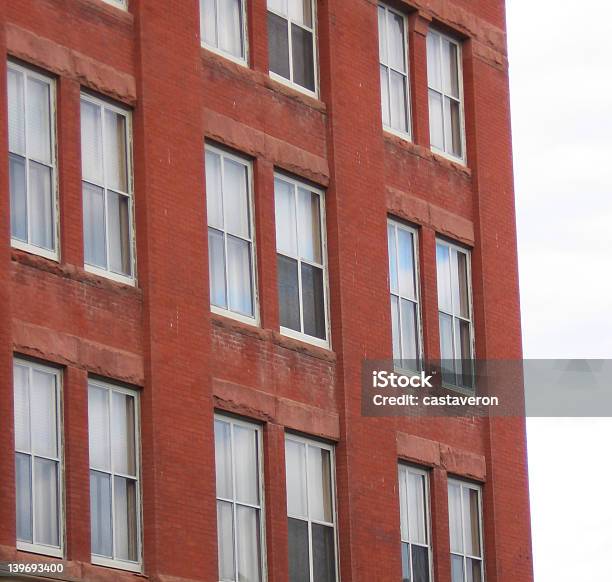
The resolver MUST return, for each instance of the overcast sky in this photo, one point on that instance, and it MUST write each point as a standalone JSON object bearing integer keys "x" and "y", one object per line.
{"x": 561, "y": 91}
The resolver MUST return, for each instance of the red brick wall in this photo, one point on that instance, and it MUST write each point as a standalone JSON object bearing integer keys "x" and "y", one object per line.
{"x": 161, "y": 336}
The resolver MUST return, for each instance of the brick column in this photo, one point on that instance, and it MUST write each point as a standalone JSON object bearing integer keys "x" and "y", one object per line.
{"x": 69, "y": 168}
{"x": 76, "y": 464}
{"x": 439, "y": 524}
{"x": 418, "y": 25}
{"x": 257, "y": 23}
{"x": 429, "y": 293}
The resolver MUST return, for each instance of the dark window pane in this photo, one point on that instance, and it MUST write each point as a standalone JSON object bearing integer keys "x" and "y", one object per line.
{"x": 313, "y": 302}
{"x": 278, "y": 45}
{"x": 474, "y": 570}
{"x": 288, "y": 296}
{"x": 406, "y": 563}
{"x": 303, "y": 61}
{"x": 323, "y": 554}
{"x": 299, "y": 559}
{"x": 420, "y": 564}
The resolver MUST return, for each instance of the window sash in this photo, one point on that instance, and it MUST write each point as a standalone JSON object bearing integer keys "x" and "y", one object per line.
{"x": 114, "y": 560}
{"x": 235, "y": 503}
{"x": 29, "y": 160}
{"x": 38, "y": 546}
{"x": 127, "y": 252}
{"x": 215, "y": 47}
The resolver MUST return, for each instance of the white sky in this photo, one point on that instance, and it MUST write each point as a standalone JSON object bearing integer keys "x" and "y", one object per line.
{"x": 561, "y": 91}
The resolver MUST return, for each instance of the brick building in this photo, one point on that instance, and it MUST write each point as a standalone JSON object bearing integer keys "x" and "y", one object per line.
{"x": 211, "y": 213}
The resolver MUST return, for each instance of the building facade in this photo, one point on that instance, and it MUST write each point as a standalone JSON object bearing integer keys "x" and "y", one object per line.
{"x": 211, "y": 212}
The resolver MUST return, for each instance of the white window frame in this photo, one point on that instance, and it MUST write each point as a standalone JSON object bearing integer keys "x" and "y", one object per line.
{"x": 53, "y": 255}
{"x": 427, "y": 502}
{"x": 244, "y": 60}
{"x": 104, "y": 560}
{"x": 417, "y": 283}
{"x": 233, "y": 421}
{"x": 463, "y": 158}
{"x": 254, "y": 320}
{"x": 453, "y": 316}
{"x": 57, "y": 552}
{"x": 407, "y": 135}
{"x": 332, "y": 461}
{"x": 290, "y": 82}
{"x": 465, "y": 556}
{"x": 123, "y": 4}
{"x": 107, "y": 273}
{"x": 300, "y": 335}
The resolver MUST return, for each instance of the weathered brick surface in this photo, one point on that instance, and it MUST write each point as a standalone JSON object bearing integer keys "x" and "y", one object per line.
{"x": 161, "y": 337}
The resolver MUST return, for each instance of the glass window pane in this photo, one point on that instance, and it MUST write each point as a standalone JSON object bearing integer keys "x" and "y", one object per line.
{"x": 41, "y": 206}
{"x": 101, "y": 518}
{"x": 299, "y": 555}
{"x": 382, "y": 36}
{"x": 115, "y": 153}
{"x": 46, "y": 500}
{"x": 420, "y": 564}
{"x": 407, "y": 272}
{"x": 126, "y": 534}
{"x": 288, "y": 294}
{"x": 309, "y": 225}
{"x": 123, "y": 436}
{"x": 225, "y": 540}
{"x": 446, "y": 337}
{"x": 323, "y": 553}
{"x": 443, "y": 268}
{"x": 433, "y": 61}
{"x": 223, "y": 459}
{"x": 93, "y": 226}
{"x": 452, "y": 126}
{"x": 450, "y": 68}
{"x": 303, "y": 57}
{"x": 39, "y": 120}
{"x": 279, "y": 6}
{"x": 463, "y": 301}
{"x": 319, "y": 484}
{"x": 278, "y": 45}
{"x": 295, "y": 465}
{"x": 214, "y": 198}
{"x": 285, "y": 218}
{"x": 313, "y": 301}
{"x": 236, "y": 198}
{"x": 91, "y": 141}
{"x": 392, "y": 248}
{"x": 474, "y": 570}
{"x": 216, "y": 268}
{"x": 395, "y": 328}
{"x": 399, "y": 100}
{"x": 119, "y": 243}
{"x": 208, "y": 22}
{"x": 397, "y": 47}
{"x": 457, "y": 569}
{"x": 17, "y": 186}
{"x": 44, "y": 414}
{"x": 230, "y": 26}
{"x": 246, "y": 464}
{"x": 406, "y": 563}
{"x": 16, "y": 111}
{"x": 23, "y": 497}
{"x": 436, "y": 123}
{"x": 247, "y": 532}
{"x": 21, "y": 405}
{"x": 416, "y": 508}
{"x": 239, "y": 272}
{"x": 384, "y": 95}
{"x": 300, "y": 11}
{"x": 99, "y": 429}
{"x": 454, "y": 516}
{"x": 463, "y": 339}
{"x": 403, "y": 497}
{"x": 471, "y": 512}
{"x": 410, "y": 346}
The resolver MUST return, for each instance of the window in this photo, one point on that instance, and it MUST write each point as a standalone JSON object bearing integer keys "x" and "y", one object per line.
{"x": 291, "y": 41}
{"x": 455, "y": 311}
{"x": 393, "y": 70}
{"x": 114, "y": 476}
{"x": 414, "y": 524}
{"x": 465, "y": 524}
{"x": 230, "y": 235}
{"x": 222, "y": 27}
{"x": 32, "y": 161}
{"x": 118, "y": 3}
{"x": 404, "y": 286}
{"x": 310, "y": 510}
{"x": 445, "y": 95}
{"x": 302, "y": 270}
{"x": 107, "y": 189}
{"x": 38, "y": 447}
{"x": 239, "y": 500}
